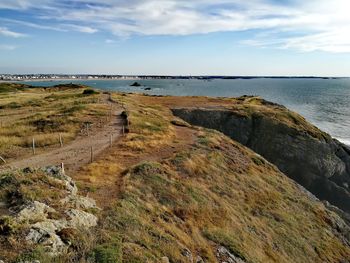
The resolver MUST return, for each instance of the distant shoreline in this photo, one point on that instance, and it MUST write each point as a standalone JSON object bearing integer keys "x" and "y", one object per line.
{"x": 206, "y": 78}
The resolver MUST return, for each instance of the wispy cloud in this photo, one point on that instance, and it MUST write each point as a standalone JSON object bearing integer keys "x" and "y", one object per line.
{"x": 7, "y": 47}
{"x": 8, "y": 33}
{"x": 302, "y": 25}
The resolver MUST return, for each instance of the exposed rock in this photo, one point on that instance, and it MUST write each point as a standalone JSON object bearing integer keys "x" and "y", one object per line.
{"x": 135, "y": 84}
{"x": 44, "y": 233}
{"x": 341, "y": 225}
{"x": 188, "y": 254}
{"x": 57, "y": 173}
{"x": 301, "y": 151}
{"x": 199, "y": 260}
{"x": 79, "y": 202}
{"x": 49, "y": 232}
{"x": 165, "y": 260}
{"x": 33, "y": 211}
{"x": 224, "y": 255}
{"x": 80, "y": 219}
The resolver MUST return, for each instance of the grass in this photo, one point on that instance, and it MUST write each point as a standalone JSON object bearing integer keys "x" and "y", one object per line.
{"x": 167, "y": 188}
{"x": 209, "y": 193}
{"x": 44, "y": 114}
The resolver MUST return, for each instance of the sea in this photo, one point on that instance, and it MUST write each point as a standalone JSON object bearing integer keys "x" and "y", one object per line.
{"x": 325, "y": 102}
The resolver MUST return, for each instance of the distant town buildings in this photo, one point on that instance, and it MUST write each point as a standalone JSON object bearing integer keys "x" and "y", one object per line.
{"x": 49, "y": 77}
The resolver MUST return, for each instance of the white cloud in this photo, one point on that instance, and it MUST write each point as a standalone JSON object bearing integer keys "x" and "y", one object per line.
{"x": 303, "y": 25}
{"x": 7, "y": 47}
{"x": 78, "y": 28}
{"x": 8, "y": 33}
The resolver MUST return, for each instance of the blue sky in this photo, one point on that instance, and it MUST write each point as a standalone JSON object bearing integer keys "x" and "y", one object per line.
{"x": 176, "y": 37}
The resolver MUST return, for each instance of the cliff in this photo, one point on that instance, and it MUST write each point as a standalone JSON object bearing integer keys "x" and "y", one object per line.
{"x": 301, "y": 151}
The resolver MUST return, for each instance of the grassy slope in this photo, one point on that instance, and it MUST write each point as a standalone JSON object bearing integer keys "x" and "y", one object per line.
{"x": 164, "y": 189}
{"x": 43, "y": 114}
{"x": 211, "y": 191}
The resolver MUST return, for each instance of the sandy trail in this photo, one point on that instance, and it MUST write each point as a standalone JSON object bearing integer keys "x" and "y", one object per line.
{"x": 78, "y": 152}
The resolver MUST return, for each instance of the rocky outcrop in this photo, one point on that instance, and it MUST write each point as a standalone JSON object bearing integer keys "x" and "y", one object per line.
{"x": 224, "y": 255}
{"x": 46, "y": 224}
{"x": 310, "y": 157}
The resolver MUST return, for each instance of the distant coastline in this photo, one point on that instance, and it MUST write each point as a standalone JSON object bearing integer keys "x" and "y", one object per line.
{"x": 58, "y": 77}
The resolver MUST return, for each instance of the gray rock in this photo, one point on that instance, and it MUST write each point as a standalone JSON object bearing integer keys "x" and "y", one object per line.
{"x": 224, "y": 255}
{"x": 165, "y": 260}
{"x": 79, "y": 202}
{"x": 80, "y": 219}
{"x": 43, "y": 229}
{"x": 58, "y": 173}
{"x": 44, "y": 233}
{"x": 188, "y": 254}
{"x": 33, "y": 211}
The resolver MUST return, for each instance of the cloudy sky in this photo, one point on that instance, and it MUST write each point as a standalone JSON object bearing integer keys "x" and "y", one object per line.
{"x": 198, "y": 37}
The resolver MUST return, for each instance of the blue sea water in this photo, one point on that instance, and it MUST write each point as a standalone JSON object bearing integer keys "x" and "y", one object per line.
{"x": 323, "y": 102}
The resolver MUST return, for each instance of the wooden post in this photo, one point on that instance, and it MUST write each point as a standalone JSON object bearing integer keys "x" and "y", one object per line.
{"x": 61, "y": 142}
{"x": 62, "y": 167}
{"x": 33, "y": 146}
{"x": 2, "y": 159}
{"x": 111, "y": 140}
{"x": 92, "y": 155}
{"x": 87, "y": 129}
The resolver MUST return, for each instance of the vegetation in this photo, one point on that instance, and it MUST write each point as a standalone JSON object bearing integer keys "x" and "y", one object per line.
{"x": 45, "y": 114}
{"x": 168, "y": 189}
{"x": 189, "y": 189}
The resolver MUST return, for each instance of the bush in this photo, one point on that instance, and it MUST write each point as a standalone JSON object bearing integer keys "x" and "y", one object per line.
{"x": 90, "y": 92}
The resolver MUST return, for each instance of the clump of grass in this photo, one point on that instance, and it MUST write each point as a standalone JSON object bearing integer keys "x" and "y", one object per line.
{"x": 109, "y": 252}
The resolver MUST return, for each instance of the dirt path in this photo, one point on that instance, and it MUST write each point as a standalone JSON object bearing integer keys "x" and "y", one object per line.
{"x": 108, "y": 185}
{"x": 77, "y": 153}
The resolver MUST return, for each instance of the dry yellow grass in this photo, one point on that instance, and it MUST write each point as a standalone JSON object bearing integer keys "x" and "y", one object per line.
{"x": 44, "y": 114}
{"x": 165, "y": 190}
{"x": 209, "y": 193}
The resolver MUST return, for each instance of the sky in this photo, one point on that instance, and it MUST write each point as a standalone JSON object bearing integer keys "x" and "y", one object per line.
{"x": 176, "y": 37}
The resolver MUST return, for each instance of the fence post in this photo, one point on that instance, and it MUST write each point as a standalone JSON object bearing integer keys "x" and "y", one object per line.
{"x": 91, "y": 155}
{"x": 2, "y": 159}
{"x": 61, "y": 142}
{"x": 62, "y": 167}
{"x": 33, "y": 146}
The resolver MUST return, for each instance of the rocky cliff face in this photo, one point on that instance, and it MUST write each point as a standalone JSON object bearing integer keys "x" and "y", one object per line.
{"x": 304, "y": 153}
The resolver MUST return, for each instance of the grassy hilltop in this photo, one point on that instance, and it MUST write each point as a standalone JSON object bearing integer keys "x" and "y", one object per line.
{"x": 168, "y": 191}
{"x": 44, "y": 113}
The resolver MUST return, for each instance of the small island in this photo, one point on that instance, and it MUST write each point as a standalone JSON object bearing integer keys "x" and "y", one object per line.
{"x": 135, "y": 84}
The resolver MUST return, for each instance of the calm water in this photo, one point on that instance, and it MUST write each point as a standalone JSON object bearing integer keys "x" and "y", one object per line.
{"x": 324, "y": 102}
